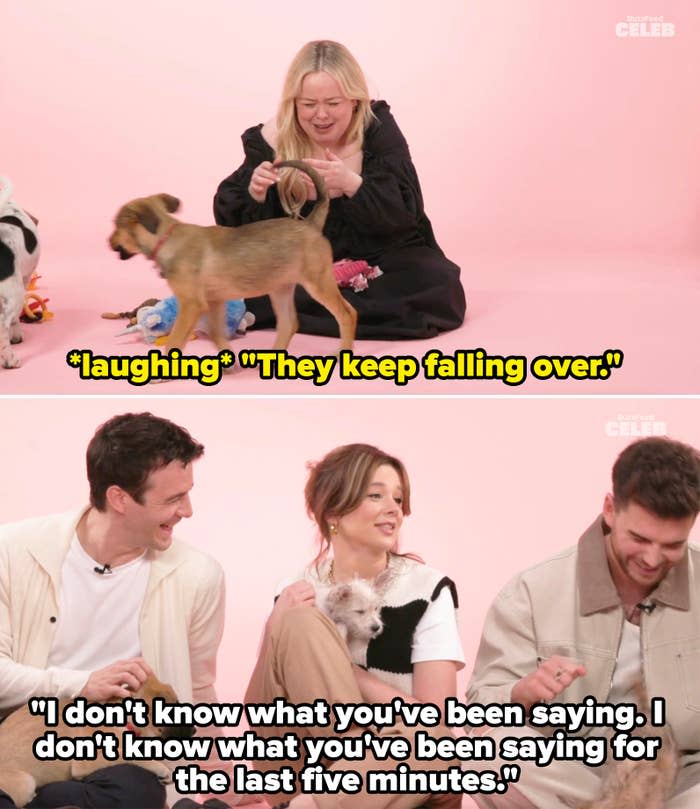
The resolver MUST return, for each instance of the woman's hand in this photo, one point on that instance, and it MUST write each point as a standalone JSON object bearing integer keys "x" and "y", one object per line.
{"x": 338, "y": 178}
{"x": 301, "y": 592}
{"x": 262, "y": 178}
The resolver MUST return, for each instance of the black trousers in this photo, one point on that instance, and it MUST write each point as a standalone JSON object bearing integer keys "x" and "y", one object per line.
{"x": 419, "y": 296}
{"x": 124, "y": 786}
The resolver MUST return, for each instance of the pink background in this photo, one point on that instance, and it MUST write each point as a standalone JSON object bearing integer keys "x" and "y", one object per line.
{"x": 532, "y": 125}
{"x": 497, "y": 484}
{"x": 559, "y": 162}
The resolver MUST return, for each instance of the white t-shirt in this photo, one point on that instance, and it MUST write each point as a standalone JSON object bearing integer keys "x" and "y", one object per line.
{"x": 98, "y": 614}
{"x": 437, "y": 637}
{"x": 628, "y": 669}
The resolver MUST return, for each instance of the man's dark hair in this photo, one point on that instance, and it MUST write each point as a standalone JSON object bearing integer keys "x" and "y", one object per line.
{"x": 661, "y": 475}
{"x": 127, "y": 448}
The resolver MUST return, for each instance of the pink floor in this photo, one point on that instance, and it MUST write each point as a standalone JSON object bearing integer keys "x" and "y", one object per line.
{"x": 580, "y": 305}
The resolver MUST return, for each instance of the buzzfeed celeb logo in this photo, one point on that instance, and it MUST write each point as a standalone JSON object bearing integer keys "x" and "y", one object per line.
{"x": 635, "y": 425}
{"x": 644, "y": 28}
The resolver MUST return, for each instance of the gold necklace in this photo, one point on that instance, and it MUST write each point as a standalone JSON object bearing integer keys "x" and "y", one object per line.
{"x": 331, "y": 573}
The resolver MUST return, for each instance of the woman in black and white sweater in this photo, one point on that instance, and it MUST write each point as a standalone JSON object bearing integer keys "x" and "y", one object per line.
{"x": 358, "y": 497}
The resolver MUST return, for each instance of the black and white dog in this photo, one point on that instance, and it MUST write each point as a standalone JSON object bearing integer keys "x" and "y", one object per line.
{"x": 19, "y": 254}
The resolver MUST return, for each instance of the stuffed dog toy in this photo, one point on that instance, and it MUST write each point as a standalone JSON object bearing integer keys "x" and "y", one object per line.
{"x": 206, "y": 266}
{"x": 19, "y": 254}
{"x": 21, "y": 774}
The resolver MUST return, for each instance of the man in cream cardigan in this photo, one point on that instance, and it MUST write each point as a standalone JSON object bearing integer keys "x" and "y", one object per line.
{"x": 94, "y": 600}
{"x": 620, "y": 608}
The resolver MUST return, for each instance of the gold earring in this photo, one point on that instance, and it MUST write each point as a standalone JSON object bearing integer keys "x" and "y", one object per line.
{"x": 333, "y": 528}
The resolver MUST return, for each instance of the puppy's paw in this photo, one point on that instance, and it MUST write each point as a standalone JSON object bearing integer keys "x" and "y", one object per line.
{"x": 358, "y": 655}
{"x": 162, "y": 773}
{"x": 9, "y": 359}
{"x": 164, "y": 776}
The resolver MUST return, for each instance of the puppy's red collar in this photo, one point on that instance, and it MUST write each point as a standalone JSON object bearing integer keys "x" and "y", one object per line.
{"x": 162, "y": 240}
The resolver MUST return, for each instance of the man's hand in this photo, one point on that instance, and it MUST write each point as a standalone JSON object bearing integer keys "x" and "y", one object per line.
{"x": 550, "y": 678}
{"x": 119, "y": 679}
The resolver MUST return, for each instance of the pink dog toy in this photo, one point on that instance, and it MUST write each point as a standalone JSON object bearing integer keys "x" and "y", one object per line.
{"x": 354, "y": 273}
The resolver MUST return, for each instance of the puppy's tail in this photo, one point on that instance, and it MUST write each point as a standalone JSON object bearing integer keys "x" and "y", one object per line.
{"x": 317, "y": 217}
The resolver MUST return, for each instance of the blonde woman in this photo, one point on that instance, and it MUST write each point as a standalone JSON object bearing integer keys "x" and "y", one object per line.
{"x": 326, "y": 118}
{"x": 358, "y": 497}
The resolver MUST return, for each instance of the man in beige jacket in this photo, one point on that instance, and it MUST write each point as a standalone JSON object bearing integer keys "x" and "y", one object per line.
{"x": 621, "y": 607}
{"x": 94, "y": 600}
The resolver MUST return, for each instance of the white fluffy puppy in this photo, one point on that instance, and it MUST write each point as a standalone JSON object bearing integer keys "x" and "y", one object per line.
{"x": 19, "y": 254}
{"x": 355, "y": 608}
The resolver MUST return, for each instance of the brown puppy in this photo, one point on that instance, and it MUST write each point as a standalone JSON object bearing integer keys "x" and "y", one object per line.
{"x": 21, "y": 774}
{"x": 206, "y": 266}
{"x": 645, "y": 783}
